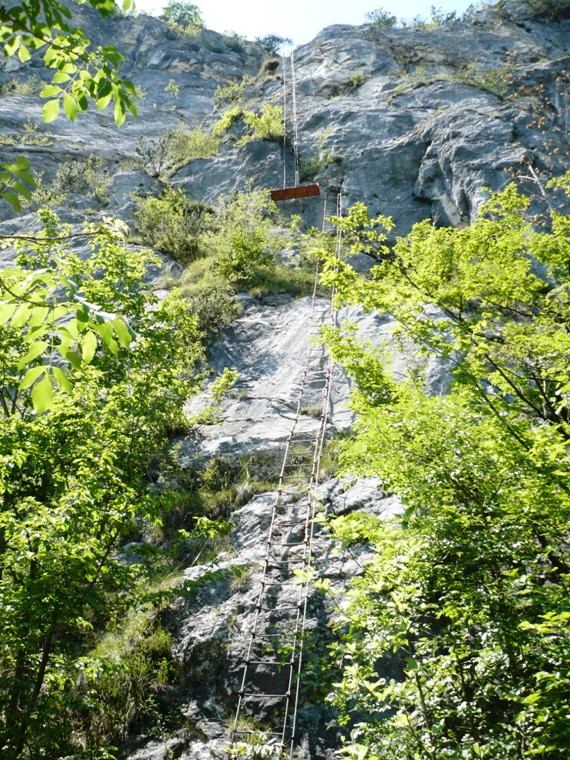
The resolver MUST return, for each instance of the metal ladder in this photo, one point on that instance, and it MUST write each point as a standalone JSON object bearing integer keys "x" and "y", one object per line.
{"x": 274, "y": 659}
{"x": 271, "y": 675}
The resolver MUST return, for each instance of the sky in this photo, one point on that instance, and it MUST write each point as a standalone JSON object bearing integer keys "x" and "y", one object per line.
{"x": 300, "y": 20}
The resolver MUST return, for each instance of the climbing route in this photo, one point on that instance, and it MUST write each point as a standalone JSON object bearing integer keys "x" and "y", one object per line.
{"x": 297, "y": 190}
{"x": 268, "y": 696}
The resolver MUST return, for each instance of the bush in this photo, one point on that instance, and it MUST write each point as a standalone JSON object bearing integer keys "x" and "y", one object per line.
{"x": 84, "y": 177}
{"x": 227, "y": 121}
{"x": 185, "y": 18}
{"x": 272, "y": 43}
{"x": 242, "y": 240}
{"x": 549, "y": 10}
{"x": 162, "y": 156}
{"x": 122, "y": 686}
{"x": 30, "y": 86}
{"x": 266, "y": 125}
{"x": 173, "y": 224}
{"x": 209, "y": 295}
{"x": 381, "y": 19}
{"x": 232, "y": 92}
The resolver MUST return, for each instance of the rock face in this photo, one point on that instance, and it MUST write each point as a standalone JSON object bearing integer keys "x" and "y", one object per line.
{"x": 415, "y": 123}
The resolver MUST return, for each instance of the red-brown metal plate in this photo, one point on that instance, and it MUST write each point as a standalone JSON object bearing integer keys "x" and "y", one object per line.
{"x": 289, "y": 193}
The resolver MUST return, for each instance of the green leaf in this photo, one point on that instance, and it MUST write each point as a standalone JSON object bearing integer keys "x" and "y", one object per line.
{"x": 21, "y": 316}
{"x": 62, "y": 379}
{"x": 22, "y": 189}
{"x": 105, "y": 330}
{"x": 51, "y": 110}
{"x": 38, "y": 315}
{"x": 11, "y": 47}
{"x": 42, "y": 395}
{"x": 12, "y": 199}
{"x": 119, "y": 112}
{"x": 88, "y": 347}
{"x": 49, "y": 91}
{"x": 35, "y": 350}
{"x": 60, "y": 77}
{"x": 72, "y": 357}
{"x": 70, "y": 107}
{"x": 103, "y": 102}
{"x": 6, "y": 311}
{"x": 23, "y": 53}
{"x": 31, "y": 376}
{"x": 124, "y": 334}
{"x": 21, "y": 164}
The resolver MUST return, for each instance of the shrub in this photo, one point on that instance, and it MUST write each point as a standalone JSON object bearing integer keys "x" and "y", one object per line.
{"x": 232, "y": 92}
{"x": 30, "y": 86}
{"x": 242, "y": 240}
{"x": 309, "y": 168}
{"x": 162, "y": 156}
{"x": 494, "y": 79}
{"x": 85, "y": 177}
{"x": 209, "y": 295}
{"x": 549, "y": 10}
{"x": 173, "y": 224}
{"x": 122, "y": 686}
{"x": 272, "y": 43}
{"x": 269, "y": 68}
{"x": 227, "y": 120}
{"x": 357, "y": 79}
{"x": 381, "y": 19}
{"x": 183, "y": 14}
{"x": 266, "y": 125}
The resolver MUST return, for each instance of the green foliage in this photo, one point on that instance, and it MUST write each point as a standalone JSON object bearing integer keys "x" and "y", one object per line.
{"x": 242, "y": 239}
{"x": 227, "y": 121}
{"x": 173, "y": 224}
{"x": 183, "y": 13}
{"x": 81, "y": 75}
{"x": 495, "y": 79}
{"x": 119, "y": 686}
{"x": 272, "y": 43}
{"x": 173, "y": 90}
{"x": 357, "y": 79}
{"x": 209, "y": 295}
{"x": 266, "y": 125}
{"x": 454, "y": 641}
{"x": 231, "y": 92}
{"x": 86, "y": 177}
{"x": 16, "y": 182}
{"x": 549, "y": 10}
{"x": 381, "y": 19}
{"x": 29, "y": 86}
{"x": 185, "y": 18}
{"x": 163, "y": 156}
{"x": 311, "y": 167}
{"x": 83, "y": 412}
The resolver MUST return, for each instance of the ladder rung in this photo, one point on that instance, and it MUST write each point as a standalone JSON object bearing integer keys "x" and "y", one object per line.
{"x": 285, "y": 608}
{"x": 279, "y": 663}
{"x": 255, "y": 732}
{"x": 255, "y": 695}
{"x": 281, "y": 584}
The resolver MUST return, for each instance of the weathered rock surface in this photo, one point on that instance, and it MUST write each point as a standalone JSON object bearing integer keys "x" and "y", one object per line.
{"x": 414, "y": 123}
{"x": 267, "y": 346}
{"x": 215, "y": 621}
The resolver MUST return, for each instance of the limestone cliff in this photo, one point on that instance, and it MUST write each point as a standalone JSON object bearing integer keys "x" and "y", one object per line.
{"x": 416, "y": 123}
